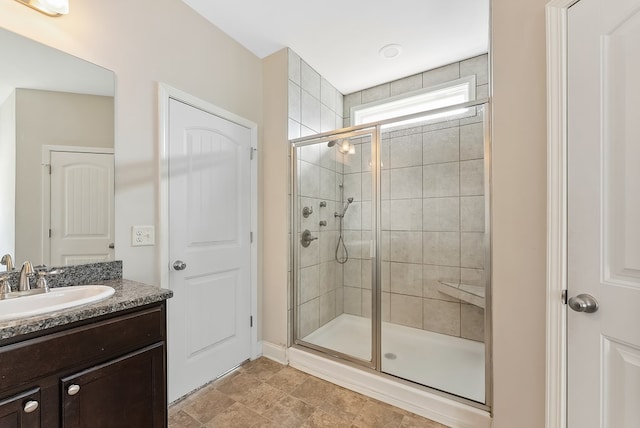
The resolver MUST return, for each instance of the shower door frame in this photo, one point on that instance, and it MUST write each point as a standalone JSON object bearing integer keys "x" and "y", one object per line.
{"x": 375, "y": 130}
{"x": 352, "y": 132}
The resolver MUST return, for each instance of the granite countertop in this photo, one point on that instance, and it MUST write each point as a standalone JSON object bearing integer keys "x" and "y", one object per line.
{"x": 129, "y": 294}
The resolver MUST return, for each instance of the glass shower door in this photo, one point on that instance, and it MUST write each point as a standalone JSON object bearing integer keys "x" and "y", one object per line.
{"x": 333, "y": 268}
{"x": 434, "y": 250}
{"x": 391, "y": 244}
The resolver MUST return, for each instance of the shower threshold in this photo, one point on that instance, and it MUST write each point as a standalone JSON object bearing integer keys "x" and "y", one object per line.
{"x": 447, "y": 363}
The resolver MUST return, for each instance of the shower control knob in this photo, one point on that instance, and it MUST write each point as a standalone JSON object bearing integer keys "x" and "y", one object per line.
{"x": 179, "y": 265}
{"x": 306, "y": 238}
{"x": 583, "y": 303}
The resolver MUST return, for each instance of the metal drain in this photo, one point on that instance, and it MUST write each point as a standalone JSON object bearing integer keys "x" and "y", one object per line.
{"x": 390, "y": 356}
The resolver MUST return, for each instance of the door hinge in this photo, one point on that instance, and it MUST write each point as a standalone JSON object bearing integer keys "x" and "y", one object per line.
{"x": 251, "y": 237}
{"x": 48, "y": 167}
{"x": 251, "y": 321}
{"x": 49, "y": 233}
{"x": 564, "y": 297}
{"x": 251, "y": 150}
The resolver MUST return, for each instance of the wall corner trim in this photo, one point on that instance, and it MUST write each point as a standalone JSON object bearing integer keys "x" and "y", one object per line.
{"x": 556, "y": 328}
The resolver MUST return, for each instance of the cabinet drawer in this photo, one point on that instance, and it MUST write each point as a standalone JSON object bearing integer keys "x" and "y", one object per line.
{"x": 54, "y": 353}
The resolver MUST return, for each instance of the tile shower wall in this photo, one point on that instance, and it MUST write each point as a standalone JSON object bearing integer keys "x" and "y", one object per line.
{"x": 432, "y": 212}
{"x": 316, "y": 106}
{"x": 357, "y": 229}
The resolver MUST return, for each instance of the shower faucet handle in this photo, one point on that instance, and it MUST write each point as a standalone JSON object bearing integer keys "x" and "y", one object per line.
{"x": 306, "y": 238}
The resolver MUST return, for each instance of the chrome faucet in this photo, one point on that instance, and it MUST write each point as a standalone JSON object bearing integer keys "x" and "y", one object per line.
{"x": 7, "y": 261}
{"x": 27, "y": 269}
{"x": 41, "y": 282}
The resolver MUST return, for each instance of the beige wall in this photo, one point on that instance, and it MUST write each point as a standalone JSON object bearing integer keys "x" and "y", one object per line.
{"x": 145, "y": 42}
{"x": 50, "y": 118}
{"x": 275, "y": 178}
{"x": 519, "y": 212}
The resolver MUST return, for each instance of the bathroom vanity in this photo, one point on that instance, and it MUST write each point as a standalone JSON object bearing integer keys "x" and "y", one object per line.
{"x": 99, "y": 365}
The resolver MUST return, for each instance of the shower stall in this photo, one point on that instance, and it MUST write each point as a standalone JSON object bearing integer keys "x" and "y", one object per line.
{"x": 391, "y": 246}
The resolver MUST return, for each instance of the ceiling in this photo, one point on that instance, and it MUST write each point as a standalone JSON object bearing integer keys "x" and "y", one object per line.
{"x": 341, "y": 39}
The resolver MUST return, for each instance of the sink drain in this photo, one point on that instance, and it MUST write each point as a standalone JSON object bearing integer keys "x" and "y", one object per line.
{"x": 390, "y": 356}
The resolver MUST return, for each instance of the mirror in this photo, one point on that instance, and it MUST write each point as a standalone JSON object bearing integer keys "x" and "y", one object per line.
{"x": 56, "y": 155}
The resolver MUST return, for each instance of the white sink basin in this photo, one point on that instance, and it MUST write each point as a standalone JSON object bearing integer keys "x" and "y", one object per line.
{"x": 55, "y": 300}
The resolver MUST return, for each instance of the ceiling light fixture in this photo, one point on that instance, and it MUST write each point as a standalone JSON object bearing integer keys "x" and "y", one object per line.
{"x": 48, "y": 7}
{"x": 390, "y": 51}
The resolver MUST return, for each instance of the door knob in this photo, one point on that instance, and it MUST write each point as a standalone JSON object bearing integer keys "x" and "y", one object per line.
{"x": 73, "y": 389}
{"x": 179, "y": 265}
{"x": 583, "y": 303}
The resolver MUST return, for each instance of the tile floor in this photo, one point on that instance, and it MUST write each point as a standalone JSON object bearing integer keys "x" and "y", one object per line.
{"x": 265, "y": 394}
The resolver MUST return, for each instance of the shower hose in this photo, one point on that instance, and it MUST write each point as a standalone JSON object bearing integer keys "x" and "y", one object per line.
{"x": 341, "y": 260}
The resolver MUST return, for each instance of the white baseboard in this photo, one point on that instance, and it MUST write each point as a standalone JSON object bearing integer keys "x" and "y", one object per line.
{"x": 275, "y": 352}
{"x": 415, "y": 400}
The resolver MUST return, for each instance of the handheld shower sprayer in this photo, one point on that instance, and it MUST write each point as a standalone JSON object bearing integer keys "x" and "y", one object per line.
{"x": 344, "y": 209}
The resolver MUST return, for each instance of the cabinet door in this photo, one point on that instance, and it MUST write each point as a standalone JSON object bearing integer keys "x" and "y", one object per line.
{"x": 126, "y": 392}
{"x": 21, "y": 411}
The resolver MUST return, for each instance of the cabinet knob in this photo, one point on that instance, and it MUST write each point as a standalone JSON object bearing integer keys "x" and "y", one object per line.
{"x": 73, "y": 389}
{"x": 30, "y": 406}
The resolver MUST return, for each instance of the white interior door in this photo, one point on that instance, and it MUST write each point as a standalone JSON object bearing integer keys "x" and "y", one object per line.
{"x": 604, "y": 213}
{"x": 209, "y": 247}
{"x": 82, "y": 208}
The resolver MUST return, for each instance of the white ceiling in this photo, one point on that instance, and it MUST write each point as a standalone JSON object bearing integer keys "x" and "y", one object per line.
{"x": 341, "y": 39}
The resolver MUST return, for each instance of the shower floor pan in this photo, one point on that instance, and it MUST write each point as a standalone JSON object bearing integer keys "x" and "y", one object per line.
{"x": 447, "y": 363}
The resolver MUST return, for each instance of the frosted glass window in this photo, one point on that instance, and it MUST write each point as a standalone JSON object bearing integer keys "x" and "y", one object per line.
{"x": 448, "y": 94}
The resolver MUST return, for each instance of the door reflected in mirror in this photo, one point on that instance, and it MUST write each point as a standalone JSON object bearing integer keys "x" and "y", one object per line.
{"x": 56, "y": 155}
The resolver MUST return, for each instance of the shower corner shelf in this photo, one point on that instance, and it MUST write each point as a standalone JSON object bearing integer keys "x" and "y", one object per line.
{"x": 473, "y": 294}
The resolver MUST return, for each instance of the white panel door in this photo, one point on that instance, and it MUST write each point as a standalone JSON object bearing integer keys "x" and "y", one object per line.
{"x": 209, "y": 217}
{"x": 82, "y": 210}
{"x": 604, "y": 213}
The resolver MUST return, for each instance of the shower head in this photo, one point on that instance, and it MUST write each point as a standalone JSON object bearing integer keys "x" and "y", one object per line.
{"x": 344, "y": 209}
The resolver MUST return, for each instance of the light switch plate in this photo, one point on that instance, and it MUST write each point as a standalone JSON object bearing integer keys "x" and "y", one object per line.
{"x": 143, "y": 235}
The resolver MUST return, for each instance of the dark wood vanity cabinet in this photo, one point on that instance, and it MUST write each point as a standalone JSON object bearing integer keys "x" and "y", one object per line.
{"x": 107, "y": 373}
